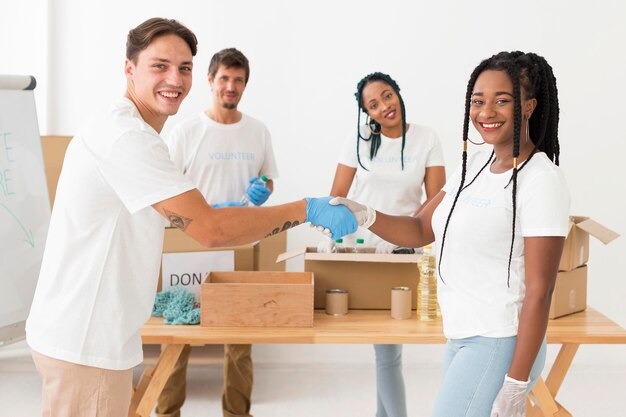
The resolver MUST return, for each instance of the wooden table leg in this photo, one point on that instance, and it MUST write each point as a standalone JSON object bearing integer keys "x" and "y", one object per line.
{"x": 545, "y": 406}
{"x": 545, "y": 392}
{"x": 560, "y": 367}
{"x": 152, "y": 382}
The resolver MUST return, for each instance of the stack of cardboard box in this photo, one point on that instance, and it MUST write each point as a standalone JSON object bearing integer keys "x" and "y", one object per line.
{"x": 570, "y": 291}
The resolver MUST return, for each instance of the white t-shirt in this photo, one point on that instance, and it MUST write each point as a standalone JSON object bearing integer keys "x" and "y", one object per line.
{"x": 221, "y": 158}
{"x": 385, "y": 186}
{"x": 475, "y": 299}
{"x": 101, "y": 261}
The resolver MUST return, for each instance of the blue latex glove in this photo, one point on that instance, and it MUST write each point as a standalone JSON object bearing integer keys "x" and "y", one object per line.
{"x": 339, "y": 219}
{"x": 258, "y": 192}
{"x": 229, "y": 204}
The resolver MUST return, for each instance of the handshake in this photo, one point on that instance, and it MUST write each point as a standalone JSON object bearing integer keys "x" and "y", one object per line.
{"x": 337, "y": 217}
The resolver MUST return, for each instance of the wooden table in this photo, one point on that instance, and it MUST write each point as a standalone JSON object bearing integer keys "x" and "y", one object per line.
{"x": 367, "y": 327}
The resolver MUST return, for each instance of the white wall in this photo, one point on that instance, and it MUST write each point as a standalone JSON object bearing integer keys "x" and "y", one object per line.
{"x": 306, "y": 59}
{"x": 24, "y": 46}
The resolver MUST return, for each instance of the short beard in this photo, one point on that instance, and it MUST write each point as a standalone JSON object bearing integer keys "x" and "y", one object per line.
{"x": 229, "y": 106}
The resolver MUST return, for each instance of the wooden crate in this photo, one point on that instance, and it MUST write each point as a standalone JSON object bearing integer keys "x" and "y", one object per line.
{"x": 257, "y": 298}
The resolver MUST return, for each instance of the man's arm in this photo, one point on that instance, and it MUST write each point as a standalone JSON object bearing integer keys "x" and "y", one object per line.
{"x": 191, "y": 213}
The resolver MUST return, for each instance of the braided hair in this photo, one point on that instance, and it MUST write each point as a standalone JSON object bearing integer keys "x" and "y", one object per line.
{"x": 375, "y": 128}
{"x": 532, "y": 73}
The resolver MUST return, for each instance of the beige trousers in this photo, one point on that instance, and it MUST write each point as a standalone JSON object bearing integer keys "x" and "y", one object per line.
{"x": 71, "y": 390}
{"x": 238, "y": 378}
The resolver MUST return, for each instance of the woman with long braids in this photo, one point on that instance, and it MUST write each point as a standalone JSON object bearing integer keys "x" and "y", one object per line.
{"x": 499, "y": 225}
{"x": 388, "y": 162}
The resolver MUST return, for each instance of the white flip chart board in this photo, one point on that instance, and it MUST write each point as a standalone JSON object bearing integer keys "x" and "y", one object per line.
{"x": 24, "y": 204}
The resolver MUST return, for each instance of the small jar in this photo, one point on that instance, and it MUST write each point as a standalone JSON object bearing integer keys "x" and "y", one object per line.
{"x": 360, "y": 246}
{"x": 401, "y": 303}
{"x": 336, "y": 302}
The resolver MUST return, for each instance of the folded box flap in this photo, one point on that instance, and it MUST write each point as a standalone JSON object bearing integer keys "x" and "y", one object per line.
{"x": 397, "y": 258}
{"x": 290, "y": 254}
{"x": 602, "y": 233}
{"x": 312, "y": 255}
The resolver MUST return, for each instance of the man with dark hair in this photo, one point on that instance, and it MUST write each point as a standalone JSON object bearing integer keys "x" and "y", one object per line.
{"x": 229, "y": 58}
{"x": 225, "y": 153}
{"x": 101, "y": 261}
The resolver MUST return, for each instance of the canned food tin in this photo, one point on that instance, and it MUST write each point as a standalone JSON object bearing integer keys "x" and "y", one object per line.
{"x": 336, "y": 302}
{"x": 401, "y": 303}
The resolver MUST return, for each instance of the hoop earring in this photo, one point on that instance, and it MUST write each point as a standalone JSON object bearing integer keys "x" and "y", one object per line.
{"x": 527, "y": 123}
{"x": 475, "y": 143}
{"x": 372, "y": 127}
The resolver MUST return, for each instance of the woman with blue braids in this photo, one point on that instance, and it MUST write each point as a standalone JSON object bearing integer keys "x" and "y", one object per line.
{"x": 388, "y": 163}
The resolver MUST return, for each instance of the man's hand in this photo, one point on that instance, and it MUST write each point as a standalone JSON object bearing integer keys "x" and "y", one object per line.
{"x": 337, "y": 218}
{"x": 258, "y": 192}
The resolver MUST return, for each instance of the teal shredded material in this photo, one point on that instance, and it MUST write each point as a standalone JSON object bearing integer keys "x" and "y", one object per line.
{"x": 177, "y": 306}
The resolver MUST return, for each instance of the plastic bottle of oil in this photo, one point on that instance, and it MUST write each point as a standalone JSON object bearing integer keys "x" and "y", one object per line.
{"x": 427, "y": 286}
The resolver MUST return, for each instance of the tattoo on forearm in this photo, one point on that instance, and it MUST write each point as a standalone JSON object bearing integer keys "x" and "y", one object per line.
{"x": 287, "y": 225}
{"x": 176, "y": 220}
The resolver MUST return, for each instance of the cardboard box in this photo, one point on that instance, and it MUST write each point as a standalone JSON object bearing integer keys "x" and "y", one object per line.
{"x": 369, "y": 277}
{"x": 251, "y": 257}
{"x": 570, "y": 292}
{"x": 53, "y": 148}
{"x": 176, "y": 241}
{"x": 267, "y": 250}
{"x": 576, "y": 249}
{"x": 252, "y": 298}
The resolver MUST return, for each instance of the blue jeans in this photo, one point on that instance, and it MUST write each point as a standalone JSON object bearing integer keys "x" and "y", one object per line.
{"x": 474, "y": 370}
{"x": 391, "y": 401}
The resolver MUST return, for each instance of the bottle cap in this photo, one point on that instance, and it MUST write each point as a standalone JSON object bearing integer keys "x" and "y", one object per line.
{"x": 339, "y": 240}
{"x": 264, "y": 178}
{"x": 359, "y": 240}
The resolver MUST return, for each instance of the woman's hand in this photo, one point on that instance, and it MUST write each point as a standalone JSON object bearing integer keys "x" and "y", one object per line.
{"x": 511, "y": 400}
